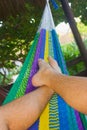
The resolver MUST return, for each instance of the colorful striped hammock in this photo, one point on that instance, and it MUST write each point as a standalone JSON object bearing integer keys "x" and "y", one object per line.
{"x": 57, "y": 114}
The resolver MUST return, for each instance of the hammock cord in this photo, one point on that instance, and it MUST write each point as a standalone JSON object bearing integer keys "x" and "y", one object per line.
{"x": 58, "y": 115}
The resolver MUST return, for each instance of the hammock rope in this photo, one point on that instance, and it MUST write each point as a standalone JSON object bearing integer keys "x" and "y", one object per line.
{"x": 57, "y": 115}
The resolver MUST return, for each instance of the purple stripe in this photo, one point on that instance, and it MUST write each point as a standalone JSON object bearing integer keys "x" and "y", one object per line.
{"x": 80, "y": 126}
{"x": 36, "y": 124}
{"x": 34, "y": 69}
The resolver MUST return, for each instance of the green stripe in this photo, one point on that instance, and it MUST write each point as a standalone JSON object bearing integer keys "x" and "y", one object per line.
{"x": 17, "y": 83}
{"x": 84, "y": 121}
{"x": 23, "y": 84}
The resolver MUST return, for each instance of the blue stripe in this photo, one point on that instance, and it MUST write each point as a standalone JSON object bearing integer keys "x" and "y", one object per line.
{"x": 59, "y": 55}
{"x": 63, "y": 116}
{"x": 61, "y": 62}
{"x": 43, "y": 44}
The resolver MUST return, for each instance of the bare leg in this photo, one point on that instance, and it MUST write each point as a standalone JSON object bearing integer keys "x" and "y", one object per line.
{"x": 23, "y": 112}
{"x": 71, "y": 88}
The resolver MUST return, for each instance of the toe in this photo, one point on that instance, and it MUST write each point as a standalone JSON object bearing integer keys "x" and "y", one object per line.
{"x": 54, "y": 64}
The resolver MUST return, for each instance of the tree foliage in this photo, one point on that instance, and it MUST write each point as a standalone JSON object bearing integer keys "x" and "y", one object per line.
{"x": 79, "y": 7}
{"x": 16, "y": 33}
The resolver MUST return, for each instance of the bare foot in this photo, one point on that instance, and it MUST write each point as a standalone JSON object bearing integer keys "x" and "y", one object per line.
{"x": 46, "y": 72}
{"x": 53, "y": 63}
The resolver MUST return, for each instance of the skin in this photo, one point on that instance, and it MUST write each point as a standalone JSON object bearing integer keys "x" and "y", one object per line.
{"x": 17, "y": 114}
{"x": 23, "y": 112}
{"x": 71, "y": 88}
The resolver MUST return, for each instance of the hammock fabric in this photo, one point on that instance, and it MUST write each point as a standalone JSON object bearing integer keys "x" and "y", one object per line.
{"x": 57, "y": 114}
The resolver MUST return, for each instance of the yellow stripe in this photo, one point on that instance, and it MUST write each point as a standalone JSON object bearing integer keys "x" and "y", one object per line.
{"x": 44, "y": 118}
{"x": 46, "y": 47}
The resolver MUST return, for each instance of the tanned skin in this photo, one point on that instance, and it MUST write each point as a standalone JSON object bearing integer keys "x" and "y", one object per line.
{"x": 71, "y": 88}
{"x": 23, "y": 112}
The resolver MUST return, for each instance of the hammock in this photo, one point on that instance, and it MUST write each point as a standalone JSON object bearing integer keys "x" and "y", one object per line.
{"x": 57, "y": 114}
